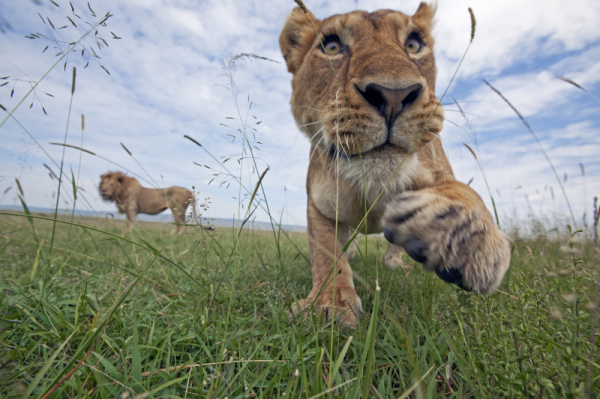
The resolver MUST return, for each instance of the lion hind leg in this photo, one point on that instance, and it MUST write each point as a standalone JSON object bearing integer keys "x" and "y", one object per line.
{"x": 393, "y": 257}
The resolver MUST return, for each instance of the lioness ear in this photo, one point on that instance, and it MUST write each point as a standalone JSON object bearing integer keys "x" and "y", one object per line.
{"x": 296, "y": 38}
{"x": 424, "y": 15}
{"x": 120, "y": 179}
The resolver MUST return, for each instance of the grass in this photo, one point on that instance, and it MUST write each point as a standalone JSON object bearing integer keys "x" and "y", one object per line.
{"x": 88, "y": 312}
{"x": 223, "y": 331}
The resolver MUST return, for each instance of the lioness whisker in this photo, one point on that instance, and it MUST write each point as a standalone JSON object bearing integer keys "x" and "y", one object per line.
{"x": 316, "y": 146}
{"x": 308, "y": 124}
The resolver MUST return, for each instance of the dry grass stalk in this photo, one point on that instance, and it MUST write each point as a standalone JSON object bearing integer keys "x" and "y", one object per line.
{"x": 257, "y": 186}
{"x": 73, "y": 84}
{"x": 125, "y": 148}
{"x": 192, "y": 140}
{"x": 75, "y": 147}
{"x": 188, "y": 366}
{"x": 51, "y": 171}
{"x": 596, "y": 218}
{"x": 470, "y": 149}
{"x": 539, "y": 143}
{"x": 580, "y": 87}
{"x": 171, "y": 369}
{"x": 473, "y": 23}
{"x": 70, "y": 373}
{"x": 302, "y": 6}
{"x": 250, "y": 56}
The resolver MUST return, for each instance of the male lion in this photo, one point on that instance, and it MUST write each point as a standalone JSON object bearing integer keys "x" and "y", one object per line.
{"x": 378, "y": 119}
{"x": 132, "y": 198}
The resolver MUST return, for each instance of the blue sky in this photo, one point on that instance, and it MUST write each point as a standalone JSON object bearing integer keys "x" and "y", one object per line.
{"x": 166, "y": 80}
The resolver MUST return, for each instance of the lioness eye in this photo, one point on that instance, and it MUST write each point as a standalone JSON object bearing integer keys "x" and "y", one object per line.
{"x": 332, "y": 45}
{"x": 413, "y": 46}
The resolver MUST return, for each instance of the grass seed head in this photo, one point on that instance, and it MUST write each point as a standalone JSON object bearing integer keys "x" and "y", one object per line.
{"x": 125, "y": 148}
{"x": 73, "y": 83}
{"x": 19, "y": 187}
{"x": 192, "y": 140}
{"x": 302, "y": 6}
{"x": 473, "y": 23}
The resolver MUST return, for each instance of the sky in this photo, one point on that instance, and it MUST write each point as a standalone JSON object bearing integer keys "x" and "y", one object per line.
{"x": 168, "y": 78}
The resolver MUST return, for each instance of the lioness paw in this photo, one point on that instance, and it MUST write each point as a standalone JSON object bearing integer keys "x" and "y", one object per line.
{"x": 451, "y": 235}
{"x": 347, "y": 311}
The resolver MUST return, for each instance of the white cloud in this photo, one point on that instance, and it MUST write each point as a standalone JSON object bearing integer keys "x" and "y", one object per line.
{"x": 165, "y": 82}
{"x": 511, "y": 32}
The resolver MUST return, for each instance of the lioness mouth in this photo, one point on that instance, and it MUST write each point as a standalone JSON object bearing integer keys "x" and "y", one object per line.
{"x": 334, "y": 152}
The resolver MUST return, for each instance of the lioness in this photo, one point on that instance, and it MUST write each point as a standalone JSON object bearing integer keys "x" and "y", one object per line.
{"x": 132, "y": 198}
{"x": 377, "y": 115}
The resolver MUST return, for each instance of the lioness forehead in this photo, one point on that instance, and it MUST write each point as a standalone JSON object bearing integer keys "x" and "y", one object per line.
{"x": 361, "y": 23}
{"x": 375, "y": 18}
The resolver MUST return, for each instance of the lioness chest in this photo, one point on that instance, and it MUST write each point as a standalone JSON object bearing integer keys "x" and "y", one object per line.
{"x": 361, "y": 187}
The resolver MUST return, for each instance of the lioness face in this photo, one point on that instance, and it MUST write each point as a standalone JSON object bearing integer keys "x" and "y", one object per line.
{"x": 369, "y": 90}
{"x": 386, "y": 71}
{"x": 109, "y": 186}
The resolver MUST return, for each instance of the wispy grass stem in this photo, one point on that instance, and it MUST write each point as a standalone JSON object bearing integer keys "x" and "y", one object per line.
{"x": 539, "y": 143}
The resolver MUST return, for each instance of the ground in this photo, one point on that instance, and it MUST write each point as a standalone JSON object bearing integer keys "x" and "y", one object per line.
{"x": 204, "y": 315}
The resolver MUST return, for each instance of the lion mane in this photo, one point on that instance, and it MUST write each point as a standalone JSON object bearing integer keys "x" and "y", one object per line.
{"x": 133, "y": 199}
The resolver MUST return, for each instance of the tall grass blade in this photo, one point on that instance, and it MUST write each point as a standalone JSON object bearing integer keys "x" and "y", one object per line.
{"x": 340, "y": 359}
{"x": 29, "y": 216}
{"x": 36, "y": 262}
{"x": 49, "y": 362}
{"x": 365, "y": 367}
{"x": 333, "y": 389}
{"x": 74, "y": 185}
{"x": 416, "y": 384}
{"x": 136, "y": 359}
{"x": 93, "y": 339}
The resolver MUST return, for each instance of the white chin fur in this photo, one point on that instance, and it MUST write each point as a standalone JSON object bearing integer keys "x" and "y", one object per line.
{"x": 378, "y": 168}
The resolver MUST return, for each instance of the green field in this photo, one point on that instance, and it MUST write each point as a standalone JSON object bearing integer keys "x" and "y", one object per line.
{"x": 150, "y": 314}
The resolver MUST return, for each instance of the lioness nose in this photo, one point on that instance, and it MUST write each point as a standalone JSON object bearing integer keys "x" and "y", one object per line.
{"x": 391, "y": 102}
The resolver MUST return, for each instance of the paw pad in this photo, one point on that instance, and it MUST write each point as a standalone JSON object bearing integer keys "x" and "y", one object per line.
{"x": 452, "y": 276}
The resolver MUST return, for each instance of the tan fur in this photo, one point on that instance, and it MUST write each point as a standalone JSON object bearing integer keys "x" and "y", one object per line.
{"x": 394, "y": 127}
{"x": 132, "y": 198}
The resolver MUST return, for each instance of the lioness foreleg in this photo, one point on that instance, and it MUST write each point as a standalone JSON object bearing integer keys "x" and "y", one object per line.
{"x": 333, "y": 289}
{"x": 449, "y": 230}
